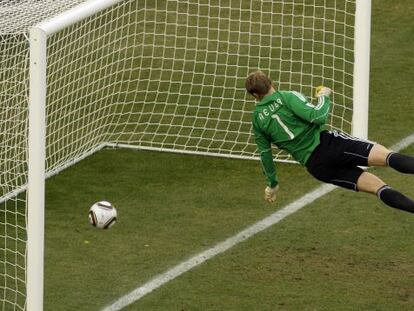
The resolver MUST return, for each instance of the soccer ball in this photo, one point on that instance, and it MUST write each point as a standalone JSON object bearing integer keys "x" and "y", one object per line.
{"x": 102, "y": 215}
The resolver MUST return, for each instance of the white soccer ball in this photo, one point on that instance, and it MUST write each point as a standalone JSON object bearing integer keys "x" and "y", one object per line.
{"x": 102, "y": 215}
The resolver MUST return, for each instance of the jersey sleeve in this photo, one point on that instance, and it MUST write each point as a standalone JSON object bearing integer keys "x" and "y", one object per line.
{"x": 266, "y": 157}
{"x": 305, "y": 110}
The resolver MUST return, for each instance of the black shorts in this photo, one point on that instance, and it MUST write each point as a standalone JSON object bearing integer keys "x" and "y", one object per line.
{"x": 337, "y": 158}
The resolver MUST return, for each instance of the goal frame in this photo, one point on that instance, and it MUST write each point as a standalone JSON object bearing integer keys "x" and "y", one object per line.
{"x": 37, "y": 142}
{"x": 37, "y": 123}
{"x": 362, "y": 42}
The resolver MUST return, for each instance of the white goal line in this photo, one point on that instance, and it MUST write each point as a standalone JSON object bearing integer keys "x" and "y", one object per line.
{"x": 243, "y": 235}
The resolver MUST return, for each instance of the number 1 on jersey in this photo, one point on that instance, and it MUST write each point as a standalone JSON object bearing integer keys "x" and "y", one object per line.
{"x": 283, "y": 125}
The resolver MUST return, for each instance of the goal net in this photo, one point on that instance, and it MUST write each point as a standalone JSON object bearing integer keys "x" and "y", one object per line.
{"x": 169, "y": 75}
{"x": 163, "y": 75}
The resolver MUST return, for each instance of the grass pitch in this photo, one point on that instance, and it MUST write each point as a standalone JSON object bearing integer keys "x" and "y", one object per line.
{"x": 346, "y": 251}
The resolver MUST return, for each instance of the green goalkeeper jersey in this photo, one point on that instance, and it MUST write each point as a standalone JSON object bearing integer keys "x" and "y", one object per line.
{"x": 289, "y": 121}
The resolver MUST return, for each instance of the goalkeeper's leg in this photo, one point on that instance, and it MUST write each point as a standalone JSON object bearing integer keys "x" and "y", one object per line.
{"x": 381, "y": 156}
{"x": 370, "y": 183}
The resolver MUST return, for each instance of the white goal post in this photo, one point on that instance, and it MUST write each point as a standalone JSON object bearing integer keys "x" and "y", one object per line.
{"x": 361, "y": 69}
{"x": 77, "y": 76}
{"x": 37, "y": 143}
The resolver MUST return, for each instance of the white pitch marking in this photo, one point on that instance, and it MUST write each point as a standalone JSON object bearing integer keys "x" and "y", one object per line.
{"x": 403, "y": 143}
{"x": 221, "y": 247}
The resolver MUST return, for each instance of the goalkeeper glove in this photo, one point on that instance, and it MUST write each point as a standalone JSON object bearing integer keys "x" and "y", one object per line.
{"x": 322, "y": 91}
{"x": 270, "y": 194}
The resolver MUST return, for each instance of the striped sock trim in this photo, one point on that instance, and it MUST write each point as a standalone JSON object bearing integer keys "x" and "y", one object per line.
{"x": 387, "y": 160}
{"x": 380, "y": 190}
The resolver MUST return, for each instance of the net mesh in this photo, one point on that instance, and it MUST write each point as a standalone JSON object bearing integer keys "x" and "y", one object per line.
{"x": 15, "y": 18}
{"x": 170, "y": 75}
{"x": 164, "y": 75}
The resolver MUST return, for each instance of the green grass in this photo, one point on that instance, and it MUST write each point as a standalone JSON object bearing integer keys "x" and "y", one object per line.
{"x": 346, "y": 251}
{"x": 170, "y": 207}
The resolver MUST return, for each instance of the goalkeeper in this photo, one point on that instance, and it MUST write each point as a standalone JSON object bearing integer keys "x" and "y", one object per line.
{"x": 289, "y": 121}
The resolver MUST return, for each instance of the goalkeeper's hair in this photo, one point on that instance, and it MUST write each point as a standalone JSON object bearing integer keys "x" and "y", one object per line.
{"x": 258, "y": 84}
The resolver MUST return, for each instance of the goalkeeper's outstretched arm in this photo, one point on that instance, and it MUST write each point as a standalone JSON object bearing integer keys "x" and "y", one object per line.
{"x": 268, "y": 167}
{"x": 306, "y": 111}
{"x": 269, "y": 170}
